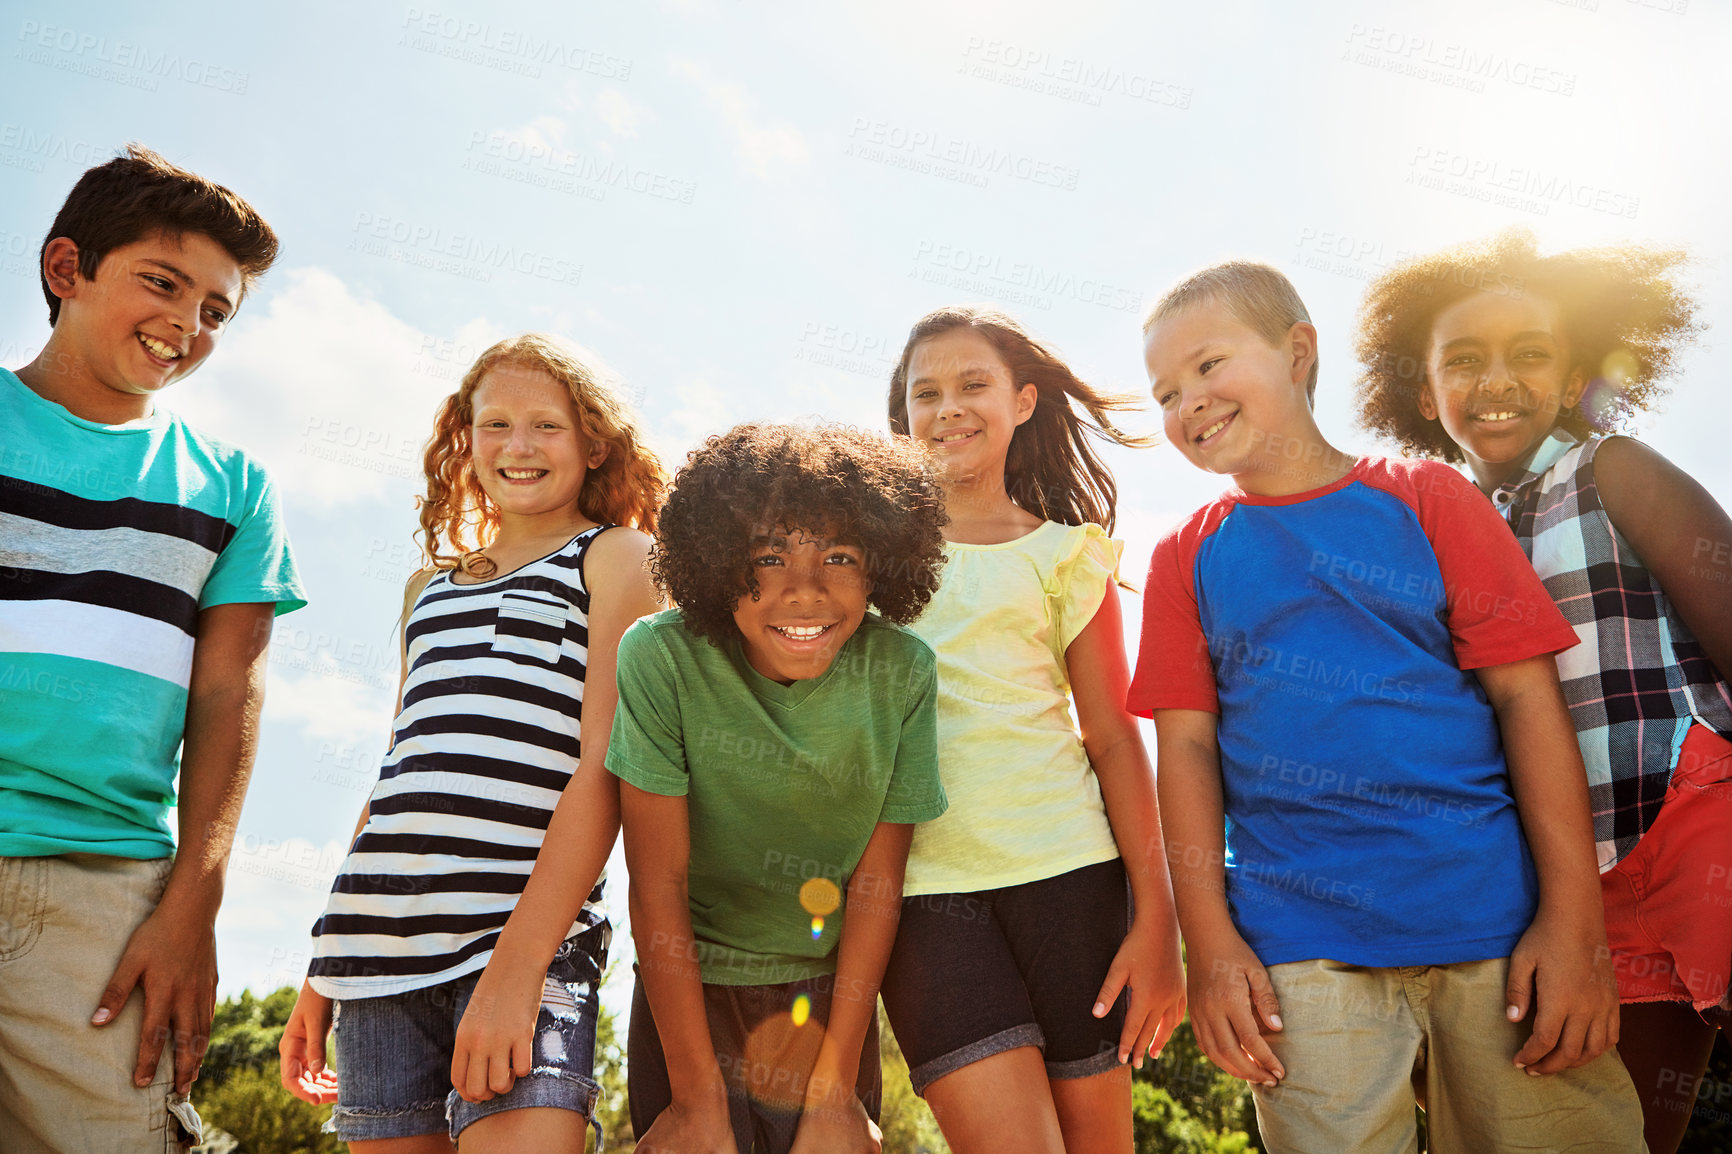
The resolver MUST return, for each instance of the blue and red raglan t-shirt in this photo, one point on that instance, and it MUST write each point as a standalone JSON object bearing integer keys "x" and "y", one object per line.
{"x": 1368, "y": 804}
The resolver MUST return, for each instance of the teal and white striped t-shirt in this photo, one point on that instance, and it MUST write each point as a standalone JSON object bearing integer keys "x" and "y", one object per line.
{"x": 112, "y": 538}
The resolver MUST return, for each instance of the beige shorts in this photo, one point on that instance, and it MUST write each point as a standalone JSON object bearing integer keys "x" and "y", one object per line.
{"x": 66, "y": 1085}
{"x": 1359, "y": 1040}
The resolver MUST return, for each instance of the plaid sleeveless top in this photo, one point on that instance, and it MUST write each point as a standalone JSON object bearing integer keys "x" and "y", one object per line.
{"x": 1638, "y": 680}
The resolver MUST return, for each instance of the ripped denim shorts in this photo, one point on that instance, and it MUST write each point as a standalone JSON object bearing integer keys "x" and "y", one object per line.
{"x": 393, "y": 1053}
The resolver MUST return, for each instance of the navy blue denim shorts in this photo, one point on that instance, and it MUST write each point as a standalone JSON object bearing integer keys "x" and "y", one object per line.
{"x": 393, "y": 1053}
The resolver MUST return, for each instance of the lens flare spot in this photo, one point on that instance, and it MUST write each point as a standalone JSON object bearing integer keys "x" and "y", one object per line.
{"x": 1620, "y": 367}
{"x": 820, "y": 896}
{"x": 817, "y": 927}
{"x": 802, "y": 1010}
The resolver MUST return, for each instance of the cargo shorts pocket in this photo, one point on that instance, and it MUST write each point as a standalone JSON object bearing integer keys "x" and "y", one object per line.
{"x": 23, "y": 904}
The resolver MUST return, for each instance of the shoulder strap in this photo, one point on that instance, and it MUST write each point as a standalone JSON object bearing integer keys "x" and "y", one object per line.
{"x": 412, "y": 591}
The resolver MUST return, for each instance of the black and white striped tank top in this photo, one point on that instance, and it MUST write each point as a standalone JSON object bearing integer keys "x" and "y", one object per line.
{"x": 486, "y": 741}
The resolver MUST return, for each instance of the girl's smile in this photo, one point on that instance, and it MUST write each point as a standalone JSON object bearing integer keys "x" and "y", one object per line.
{"x": 963, "y": 403}
{"x": 527, "y": 447}
{"x": 1498, "y": 373}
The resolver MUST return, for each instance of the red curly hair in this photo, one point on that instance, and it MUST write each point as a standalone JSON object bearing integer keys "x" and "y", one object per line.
{"x": 458, "y": 520}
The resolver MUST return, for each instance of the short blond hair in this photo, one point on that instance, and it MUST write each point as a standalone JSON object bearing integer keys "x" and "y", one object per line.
{"x": 1258, "y": 295}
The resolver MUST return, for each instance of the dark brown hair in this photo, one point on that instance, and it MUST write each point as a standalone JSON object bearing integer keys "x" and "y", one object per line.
{"x": 140, "y": 194}
{"x": 878, "y": 493}
{"x": 458, "y": 520}
{"x": 1624, "y": 320}
{"x": 1051, "y": 469}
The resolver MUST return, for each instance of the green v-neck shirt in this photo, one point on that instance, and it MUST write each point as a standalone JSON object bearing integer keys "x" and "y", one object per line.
{"x": 783, "y": 783}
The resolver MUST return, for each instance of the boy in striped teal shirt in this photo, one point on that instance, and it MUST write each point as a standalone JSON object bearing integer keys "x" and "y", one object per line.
{"x": 141, "y": 564}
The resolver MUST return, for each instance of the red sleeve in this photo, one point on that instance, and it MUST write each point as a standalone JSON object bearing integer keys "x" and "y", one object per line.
{"x": 1173, "y": 666}
{"x": 1498, "y": 609}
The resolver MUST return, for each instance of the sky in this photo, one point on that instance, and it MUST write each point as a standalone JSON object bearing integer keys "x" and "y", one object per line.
{"x": 740, "y": 208}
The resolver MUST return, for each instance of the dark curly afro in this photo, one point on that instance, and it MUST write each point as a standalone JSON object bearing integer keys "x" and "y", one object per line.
{"x": 879, "y": 494}
{"x": 1625, "y": 321}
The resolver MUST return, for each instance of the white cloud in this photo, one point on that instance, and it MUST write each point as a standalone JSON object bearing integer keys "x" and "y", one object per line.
{"x": 614, "y": 109}
{"x": 328, "y": 706}
{"x": 762, "y": 147}
{"x": 545, "y": 133}
{"x": 703, "y": 409}
{"x": 332, "y": 391}
{"x": 276, "y": 889}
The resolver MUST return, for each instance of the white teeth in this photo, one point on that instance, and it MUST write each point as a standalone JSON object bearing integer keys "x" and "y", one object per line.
{"x": 800, "y": 632}
{"x": 523, "y": 474}
{"x": 159, "y": 349}
{"x": 949, "y": 437}
{"x": 1214, "y": 428}
{"x": 1505, "y": 415}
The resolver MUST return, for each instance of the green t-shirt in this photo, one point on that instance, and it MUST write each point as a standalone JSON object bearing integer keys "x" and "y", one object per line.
{"x": 783, "y": 783}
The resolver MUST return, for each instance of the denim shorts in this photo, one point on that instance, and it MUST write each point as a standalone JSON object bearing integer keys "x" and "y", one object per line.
{"x": 393, "y": 1053}
{"x": 976, "y": 974}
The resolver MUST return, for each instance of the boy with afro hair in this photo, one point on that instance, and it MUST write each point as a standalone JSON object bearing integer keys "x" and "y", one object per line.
{"x": 776, "y": 741}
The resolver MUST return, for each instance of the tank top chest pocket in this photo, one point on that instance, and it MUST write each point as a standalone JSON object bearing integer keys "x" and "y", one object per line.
{"x": 530, "y": 625}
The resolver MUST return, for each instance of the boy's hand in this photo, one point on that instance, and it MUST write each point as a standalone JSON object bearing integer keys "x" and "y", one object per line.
{"x": 701, "y": 1127}
{"x": 1148, "y": 961}
{"x": 172, "y": 955}
{"x": 1563, "y": 972}
{"x": 301, "y": 1053}
{"x": 1231, "y": 999}
{"x": 496, "y": 1038}
{"x": 836, "y": 1124}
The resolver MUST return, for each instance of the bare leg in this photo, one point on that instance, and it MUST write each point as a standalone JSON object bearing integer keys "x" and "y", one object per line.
{"x": 531, "y": 1128}
{"x": 1095, "y": 1113}
{"x": 999, "y": 1105}
{"x": 418, "y": 1144}
{"x": 1665, "y": 1046}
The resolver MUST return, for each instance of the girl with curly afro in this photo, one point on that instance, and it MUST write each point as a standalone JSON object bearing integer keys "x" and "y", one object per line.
{"x": 1526, "y": 366}
{"x": 472, "y": 892}
{"x": 776, "y": 742}
{"x": 1021, "y": 988}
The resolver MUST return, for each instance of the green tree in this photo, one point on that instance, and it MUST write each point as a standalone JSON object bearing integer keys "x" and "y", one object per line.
{"x": 907, "y": 1122}
{"x": 612, "y": 1109}
{"x": 1181, "y": 1103}
{"x": 239, "y": 1092}
{"x": 252, "y": 1107}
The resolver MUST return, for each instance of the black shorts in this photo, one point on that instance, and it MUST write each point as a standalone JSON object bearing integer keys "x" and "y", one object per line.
{"x": 765, "y": 1059}
{"x": 976, "y": 974}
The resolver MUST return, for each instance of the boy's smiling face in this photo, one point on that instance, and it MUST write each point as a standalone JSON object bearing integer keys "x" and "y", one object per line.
{"x": 812, "y": 596}
{"x": 151, "y": 315}
{"x": 1228, "y": 397}
{"x": 1497, "y": 373}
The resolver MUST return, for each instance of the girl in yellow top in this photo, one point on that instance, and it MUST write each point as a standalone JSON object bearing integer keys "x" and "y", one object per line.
{"x": 1024, "y": 976}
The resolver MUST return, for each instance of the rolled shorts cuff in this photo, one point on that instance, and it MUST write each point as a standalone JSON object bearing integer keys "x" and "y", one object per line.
{"x": 542, "y": 1086}
{"x": 927, "y": 1073}
{"x": 360, "y": 1124}
{"x": 1084, "y": 1067}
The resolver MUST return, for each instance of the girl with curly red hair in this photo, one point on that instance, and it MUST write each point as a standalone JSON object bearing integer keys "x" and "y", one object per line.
{"x": 540, "y": 498}
{"x": 1526, "y": 366}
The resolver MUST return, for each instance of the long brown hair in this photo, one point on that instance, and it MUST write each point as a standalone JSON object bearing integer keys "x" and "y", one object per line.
{"x": 458, "y": 520}
{"x": 1052, "y": 469}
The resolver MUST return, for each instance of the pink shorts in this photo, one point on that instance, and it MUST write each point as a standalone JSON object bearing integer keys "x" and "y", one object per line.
{"x": 1669, "y": 903}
